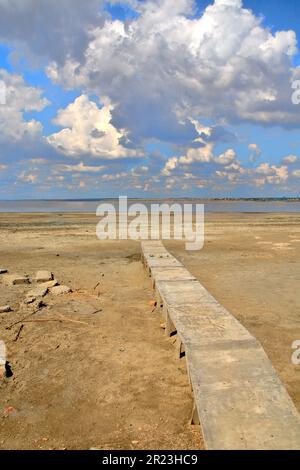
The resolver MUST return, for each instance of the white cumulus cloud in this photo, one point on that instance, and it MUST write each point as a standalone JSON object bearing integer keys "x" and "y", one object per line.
{"x": 19, "y": 99}
{"x": 87, "y": 130}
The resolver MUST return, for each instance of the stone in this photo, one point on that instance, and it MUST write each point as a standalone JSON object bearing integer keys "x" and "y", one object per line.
{"x": 5, "y": 309}
{"x": 37, "y": 292}
{"x": 3, "y": 271}
{"x": 49, "y": 284}
{"x": 60, "y": 290}
{"x": 29, "y": 300}
{"x": 40, "y": 303}
{"x": 44, "y": 276}
{"x": 14, "y": 279}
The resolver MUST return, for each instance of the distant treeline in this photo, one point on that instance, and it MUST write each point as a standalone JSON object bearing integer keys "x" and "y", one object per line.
{"x": 258, "y": 199}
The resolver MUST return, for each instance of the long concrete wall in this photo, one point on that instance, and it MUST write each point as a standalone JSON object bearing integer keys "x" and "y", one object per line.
{"x": 239, "y": 400}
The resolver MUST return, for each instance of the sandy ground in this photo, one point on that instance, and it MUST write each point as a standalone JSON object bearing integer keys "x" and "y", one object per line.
{"x": 110, "y": 379}
{"x": 113, "y": 381}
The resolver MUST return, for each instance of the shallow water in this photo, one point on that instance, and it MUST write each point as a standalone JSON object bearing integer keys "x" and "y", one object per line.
{"x": 90, "y": 205}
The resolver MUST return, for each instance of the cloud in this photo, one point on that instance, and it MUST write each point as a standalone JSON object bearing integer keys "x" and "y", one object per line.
{"x": 290, "y": 159}
{"x": 20, "y": 99}
{"x": 87, "y": 130}
{"x": 80, "y": 168}
{"x": 237, "y": 71}
{"x": 255, "y": 152}
{"x": 52, "y": 29}
{"x": 158, "y": 77}
{"x": 28, "y": 177}
{"x": 170, "y": 165}
{"x": 226, "y": 158}
{"x": 273, "y": 174}
{"x": 296, "y": 173}
{"x": 114, "y": 176}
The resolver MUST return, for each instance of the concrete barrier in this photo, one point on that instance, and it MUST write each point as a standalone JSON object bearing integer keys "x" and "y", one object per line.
{"x": 239, "y": 400}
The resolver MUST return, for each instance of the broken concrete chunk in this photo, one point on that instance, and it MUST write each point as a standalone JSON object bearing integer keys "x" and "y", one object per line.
{"x": 37, "y": 292}
{"x": 14, "y": 279}
{"x": 59, "y": 290}
{"x": 50, "y": 284}
{"x": 43, "y": 276}
{"x": 5, "y": 309}
{"x": 3, "y": 271}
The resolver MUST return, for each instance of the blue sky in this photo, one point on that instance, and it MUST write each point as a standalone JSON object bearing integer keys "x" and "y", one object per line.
{"x": 149, "y": 98}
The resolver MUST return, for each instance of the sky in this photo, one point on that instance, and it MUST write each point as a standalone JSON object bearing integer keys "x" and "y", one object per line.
{"x": 149, "y": 98}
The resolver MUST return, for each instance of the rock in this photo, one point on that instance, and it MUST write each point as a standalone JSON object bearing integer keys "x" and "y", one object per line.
{"x": 59, "y": 290}
{"x": 49, "y": 284}
{"x": 5, "y": 309}
{"x": 37, "y": 292}
{"x": 43, "y": 276}
{"x": 29, "y": 300}
{"x": 3, "y": 271}
{"x": 14, "y": 279}
{"x": 9, "y": 410}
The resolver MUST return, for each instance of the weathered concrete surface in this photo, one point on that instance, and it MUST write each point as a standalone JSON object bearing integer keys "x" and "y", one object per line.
{"x": 239, "y": 398}
{"x": 176, "y": 293}
{"x": 173, "y": 273}
{"x": 155, "y": 255}
{"x": 160, "y": 262}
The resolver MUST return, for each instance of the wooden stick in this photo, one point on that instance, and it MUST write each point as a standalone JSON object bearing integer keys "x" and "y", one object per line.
{"x": 19, "y": 332}
{"x": 60, "y": 319}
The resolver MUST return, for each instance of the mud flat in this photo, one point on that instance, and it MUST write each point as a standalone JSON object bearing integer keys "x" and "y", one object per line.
{"x": 114, "y": 380}
{"x": 91, "y": 368}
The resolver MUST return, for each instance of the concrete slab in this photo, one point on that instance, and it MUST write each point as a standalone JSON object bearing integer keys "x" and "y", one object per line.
{"x": 240, "y": 400}
{"x": 179, "y": 293}
{"x": 43, "y": 276}
{"x": 173, "y": 273}
{"x": 37, "y": 292}
{"x": 14, "y": 279}
{"x": 160, "y": 262}
{"x": 49, "y": 284}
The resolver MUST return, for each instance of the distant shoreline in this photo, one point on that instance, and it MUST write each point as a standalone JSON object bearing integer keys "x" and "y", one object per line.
{"x": 243, "y": 205}
{"x": 243, "y": 199}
